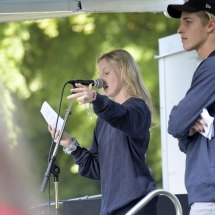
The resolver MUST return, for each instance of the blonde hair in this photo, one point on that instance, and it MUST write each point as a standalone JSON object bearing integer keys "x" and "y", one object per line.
{"x": 130, "y": 76}
{"x": 205, "y": 16}
{"x": 210, "y": 16}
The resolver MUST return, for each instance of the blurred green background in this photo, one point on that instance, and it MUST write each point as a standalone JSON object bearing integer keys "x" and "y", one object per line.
{"x": 38, "y": 57}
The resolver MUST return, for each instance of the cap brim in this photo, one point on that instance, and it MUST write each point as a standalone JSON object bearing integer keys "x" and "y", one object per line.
{"x": 175, "y": 10}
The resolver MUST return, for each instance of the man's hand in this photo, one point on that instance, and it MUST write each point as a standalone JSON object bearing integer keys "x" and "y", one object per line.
{"x": 197, "y": 127}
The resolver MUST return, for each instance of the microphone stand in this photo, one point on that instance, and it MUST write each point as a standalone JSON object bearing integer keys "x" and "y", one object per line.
{"x": 52, "y": 168}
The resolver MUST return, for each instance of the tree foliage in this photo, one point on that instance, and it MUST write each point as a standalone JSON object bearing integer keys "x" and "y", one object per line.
{"x": 39, "y": 57}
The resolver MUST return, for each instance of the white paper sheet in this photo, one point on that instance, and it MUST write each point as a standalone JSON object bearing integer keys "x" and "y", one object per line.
{"x": 51, "y": 116}
{"x": 209, "y": 129}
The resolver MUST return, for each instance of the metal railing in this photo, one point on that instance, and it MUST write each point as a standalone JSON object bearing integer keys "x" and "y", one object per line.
{"x": 150, "y": 196}
{"x": 138, "y": 206}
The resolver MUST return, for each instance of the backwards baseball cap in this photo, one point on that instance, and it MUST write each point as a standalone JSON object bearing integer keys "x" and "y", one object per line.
{"x": 175, "y": 10}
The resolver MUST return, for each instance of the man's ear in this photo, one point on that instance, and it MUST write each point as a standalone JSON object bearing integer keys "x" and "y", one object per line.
{"x": 211, "y": 26}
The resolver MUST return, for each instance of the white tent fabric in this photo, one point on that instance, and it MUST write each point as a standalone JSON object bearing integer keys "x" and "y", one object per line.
{"x": 20, "y": 10}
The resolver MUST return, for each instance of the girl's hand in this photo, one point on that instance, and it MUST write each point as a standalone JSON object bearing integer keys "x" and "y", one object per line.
{"x": 65, "y": 139}
{"x": 83, "y": 94}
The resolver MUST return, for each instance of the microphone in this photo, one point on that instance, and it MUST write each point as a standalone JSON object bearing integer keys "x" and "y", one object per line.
{"x": 98, "y": 83}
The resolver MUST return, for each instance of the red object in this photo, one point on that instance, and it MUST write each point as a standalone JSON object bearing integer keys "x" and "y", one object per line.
{"x": 8, "y": 210}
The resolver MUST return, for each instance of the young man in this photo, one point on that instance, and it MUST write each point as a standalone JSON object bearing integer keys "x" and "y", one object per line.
{"x": 197, "y": 30}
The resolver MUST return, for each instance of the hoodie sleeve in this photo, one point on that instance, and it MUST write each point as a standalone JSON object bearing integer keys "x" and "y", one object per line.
{"x": 131, "y": 117}
{"x": 200, "y": 95}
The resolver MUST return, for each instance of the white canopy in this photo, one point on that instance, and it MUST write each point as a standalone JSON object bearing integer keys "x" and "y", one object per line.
{"x": 20, "y": 10}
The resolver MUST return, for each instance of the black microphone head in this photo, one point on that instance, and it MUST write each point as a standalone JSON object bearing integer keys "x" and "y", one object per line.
{"x": 98, "y": 83}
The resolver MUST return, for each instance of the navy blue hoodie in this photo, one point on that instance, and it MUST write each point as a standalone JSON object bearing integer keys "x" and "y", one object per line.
{"x": 200, "y": 151}
{"x": 117, "y": 154}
